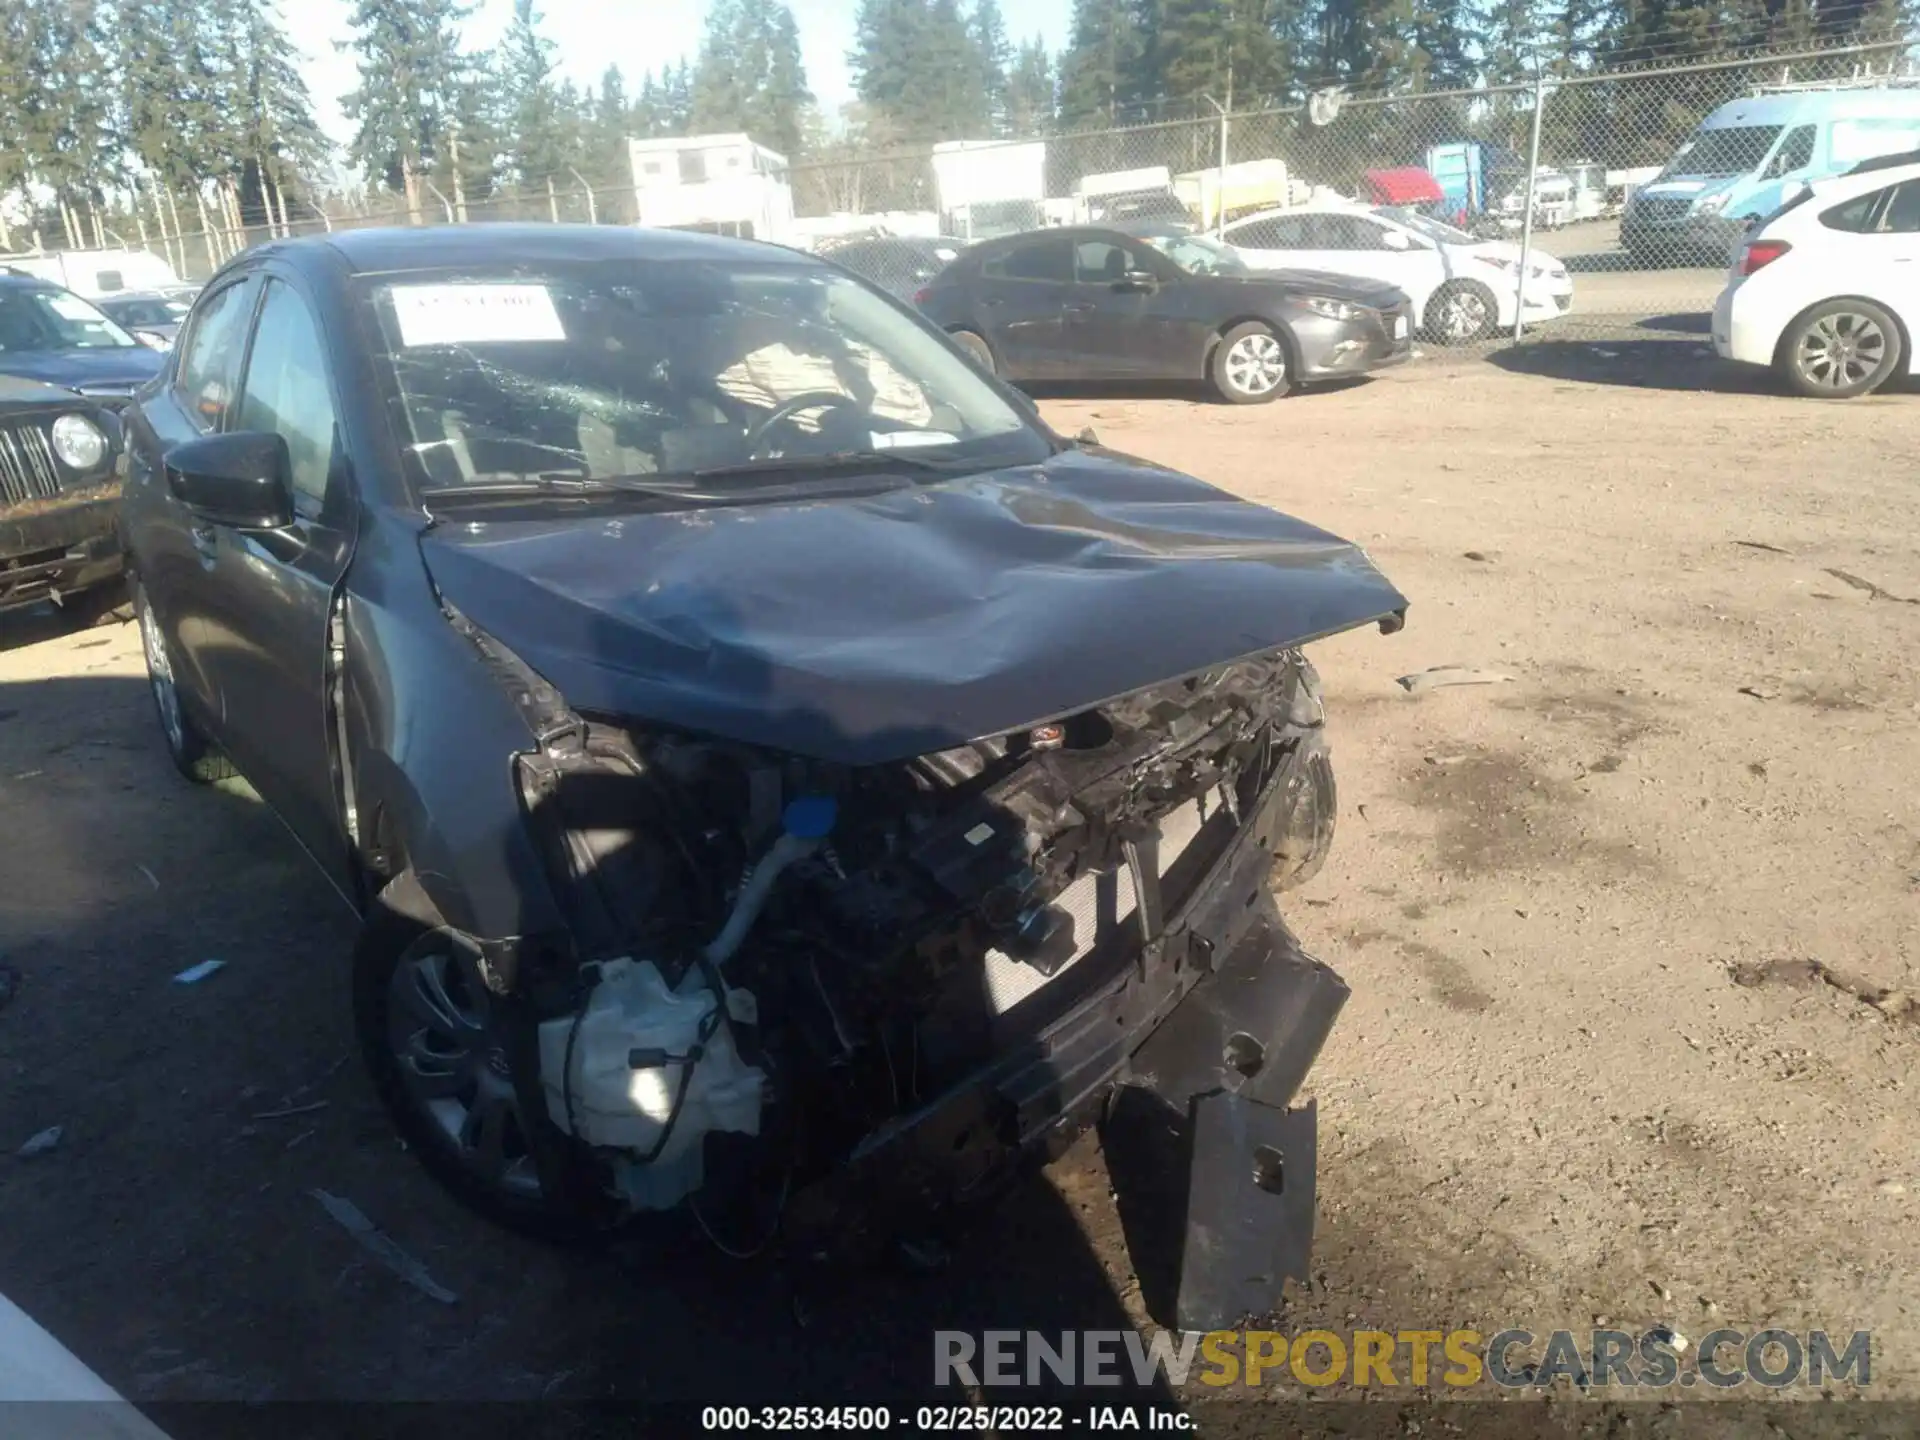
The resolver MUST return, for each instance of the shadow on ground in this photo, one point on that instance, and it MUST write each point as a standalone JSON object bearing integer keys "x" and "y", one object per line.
{"x": 1669, "y": 364}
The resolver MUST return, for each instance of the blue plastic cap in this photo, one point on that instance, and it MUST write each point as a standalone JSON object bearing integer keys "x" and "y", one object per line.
{"x": 811, "y": 816}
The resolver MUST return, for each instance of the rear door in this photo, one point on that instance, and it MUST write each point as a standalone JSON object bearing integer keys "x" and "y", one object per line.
{"x": 270, "y": 592}
{"x": 1890, "y": 260}
{"x": 1020, "y": 295}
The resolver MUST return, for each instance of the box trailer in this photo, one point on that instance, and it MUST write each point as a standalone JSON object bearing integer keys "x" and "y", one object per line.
{"x": 985, "y": 188}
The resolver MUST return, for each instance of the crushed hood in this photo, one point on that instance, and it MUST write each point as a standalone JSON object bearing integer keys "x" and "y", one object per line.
{"x": 877, "y": 628}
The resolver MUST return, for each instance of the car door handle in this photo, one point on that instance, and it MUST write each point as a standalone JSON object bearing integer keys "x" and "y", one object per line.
{"x": 993, "y": 302}
{"x": 1081, "y": 309}
{"x": 206, "y": 540}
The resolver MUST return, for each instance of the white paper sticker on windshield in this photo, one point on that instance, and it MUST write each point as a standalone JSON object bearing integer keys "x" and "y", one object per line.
{"x": 72, "y": 307}
{"x": 475, "y": 314}
{"x": 911, "y": 439}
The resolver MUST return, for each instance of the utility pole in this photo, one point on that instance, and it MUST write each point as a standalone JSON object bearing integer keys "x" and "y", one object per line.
{"x": 1533, "y": 176}
{"x": 459, "y": 185}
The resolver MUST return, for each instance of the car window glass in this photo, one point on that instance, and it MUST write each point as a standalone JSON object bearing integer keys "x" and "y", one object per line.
{"x": 210, "y": 360}
{"x": 1903, "y": 211}
{"x": 620, "y": 369}
{"x": 1045, "y": 260}
{"x": 286, "y": 389}
{"x": 1101, "y": 262}
{"x": 1347, "y": 232}
{"x": 1259, "y": 235}
{"x": 1855, "y": 215}
{"x": 1795, "y": 152}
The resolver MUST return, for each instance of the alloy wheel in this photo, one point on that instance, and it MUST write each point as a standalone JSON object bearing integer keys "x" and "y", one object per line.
{"x": 1465, "y": 315}
{"x": 1256, "y": 365}
{"x": 166, "y": 697}
{"x": 453, "y": 1065}
{"x": 1840, "y": 350}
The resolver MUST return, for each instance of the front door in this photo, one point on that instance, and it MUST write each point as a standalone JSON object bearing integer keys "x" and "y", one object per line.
{"x": 1121, "y": 323}
{"x": 270, "y": 593}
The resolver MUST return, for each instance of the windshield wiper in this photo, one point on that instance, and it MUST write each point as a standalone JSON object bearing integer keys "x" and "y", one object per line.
{"x": 836, "y": 463}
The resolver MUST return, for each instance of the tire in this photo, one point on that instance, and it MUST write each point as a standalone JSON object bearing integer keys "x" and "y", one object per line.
{"x": 1460, "y": 312}
{"x": 1250, "y": 365}
{"x": 193, "y": 754}
{"x": 976, "y": 349}
{"x": 103, "y": 605}
{"x": 1838, "y": 350}
{"x": 417, "y": 989}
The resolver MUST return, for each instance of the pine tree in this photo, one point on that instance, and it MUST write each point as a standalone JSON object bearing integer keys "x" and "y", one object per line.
{"x": 989, "y": 34}
{"x": 1030, "y": 91}
{"x": 917, "y": 70}
{"x": 410, "y": 74}
{"x": 536, "y": 112}
{"x": 1101, "y": 72}
{"x": 750, "y": 77}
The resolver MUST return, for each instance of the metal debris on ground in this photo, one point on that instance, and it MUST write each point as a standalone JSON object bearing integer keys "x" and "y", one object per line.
{"x": 292, "y": 1110}
{"x": 1873, "y": 591}
{"x": 382, "y": 1247}
{"x": 47, "y": 1140}
{"x": 194, "y": 974}
{"x": 1762, "y": 545}
{"x": 1441, "y": 675}
{"x": 1760, "y": 692}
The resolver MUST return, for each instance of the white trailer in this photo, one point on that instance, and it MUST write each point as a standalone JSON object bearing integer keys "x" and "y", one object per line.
{"x": 985, "y": 188}
{"x": 95, "y": 273}
{"x": 724, "y": 184}
{"x": 1143, "y": 194}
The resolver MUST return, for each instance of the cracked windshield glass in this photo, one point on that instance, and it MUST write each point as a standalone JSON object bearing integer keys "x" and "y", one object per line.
{"x": 602, "y": 372}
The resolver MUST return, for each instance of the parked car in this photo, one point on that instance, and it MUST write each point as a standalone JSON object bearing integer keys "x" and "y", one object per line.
{"x": 1750, "y": 154}
{"x": 152, "y": 319}
{"x": 59, "y": 493}
{"x": 898, "y": 264}
{"x": 53, "y": 335}
{"x": 783, "y": 783}
{"x": 1462, "y": 288}
{"x": 1092, "y": 303}
{"x": 1825, "y": 291}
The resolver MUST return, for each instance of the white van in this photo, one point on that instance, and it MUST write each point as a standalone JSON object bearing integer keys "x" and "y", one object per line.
{"x": 96, "y": 273}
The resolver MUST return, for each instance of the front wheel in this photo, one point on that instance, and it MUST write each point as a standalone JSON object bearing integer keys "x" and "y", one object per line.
{"x": 1249, "y": 365}
{"x": 1838, "y": 350}
{"x": 436, "y": 1043}
{"x": 192, "y": 753}
{"x": 1461, "y": 312}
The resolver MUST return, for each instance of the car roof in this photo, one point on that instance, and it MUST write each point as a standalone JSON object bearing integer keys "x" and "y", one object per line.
{"x": 1812, "y": 105}
{"x": 445, "y": 247}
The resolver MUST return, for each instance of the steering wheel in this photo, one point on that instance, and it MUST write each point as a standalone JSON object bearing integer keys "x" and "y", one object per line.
{"x": 787, "y": 409}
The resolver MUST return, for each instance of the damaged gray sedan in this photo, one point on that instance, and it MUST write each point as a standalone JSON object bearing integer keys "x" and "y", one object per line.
{"x": 784, "y": 784}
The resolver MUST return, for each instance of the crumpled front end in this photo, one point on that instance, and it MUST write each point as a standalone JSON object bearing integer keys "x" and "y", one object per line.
{"x": 835, "y": 1003}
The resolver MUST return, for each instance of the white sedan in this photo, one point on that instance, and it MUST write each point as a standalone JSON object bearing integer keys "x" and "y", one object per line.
{"x": 1462, "y": 288}
{"x": 1826, "y": 289}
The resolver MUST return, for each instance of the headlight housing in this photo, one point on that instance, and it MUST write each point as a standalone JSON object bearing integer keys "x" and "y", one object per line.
{"x": 1333, "y": 309}
{"x": 80, "y": 444}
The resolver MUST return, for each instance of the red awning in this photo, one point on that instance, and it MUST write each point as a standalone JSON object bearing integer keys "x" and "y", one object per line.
{"x": 1406, "y": 185}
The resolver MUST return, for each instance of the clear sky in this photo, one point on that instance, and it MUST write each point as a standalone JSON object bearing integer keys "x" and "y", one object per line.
{"x": 637, "y": 35}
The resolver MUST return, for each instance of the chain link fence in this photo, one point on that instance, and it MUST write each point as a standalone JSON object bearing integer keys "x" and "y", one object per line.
{"x": 1626, "y": 210}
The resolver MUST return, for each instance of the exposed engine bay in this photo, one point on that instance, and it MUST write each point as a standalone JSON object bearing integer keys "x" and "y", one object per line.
{"x": 780, "y": 956}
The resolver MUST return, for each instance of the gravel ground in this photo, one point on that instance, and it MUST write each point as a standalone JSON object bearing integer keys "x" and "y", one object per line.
{"x": 1628, "y": 933}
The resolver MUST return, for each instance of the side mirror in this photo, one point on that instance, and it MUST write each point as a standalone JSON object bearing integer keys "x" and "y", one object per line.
{"x": 243, "y": 479}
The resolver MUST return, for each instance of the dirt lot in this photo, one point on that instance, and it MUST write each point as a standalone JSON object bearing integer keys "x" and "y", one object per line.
{"x": 1615, "y": 930}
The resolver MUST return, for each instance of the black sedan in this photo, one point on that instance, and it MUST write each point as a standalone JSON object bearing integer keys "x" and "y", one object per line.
{"x": 152, "y": 319}
{"x": 901, "y": 265}
{"x": 1086, "y": 304}
{"x": 783, "y": 783}
{"x": 52, "y": 335}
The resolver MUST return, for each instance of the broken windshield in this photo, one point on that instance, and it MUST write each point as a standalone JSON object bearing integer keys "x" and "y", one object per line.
{"x": 612, "y": 370}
